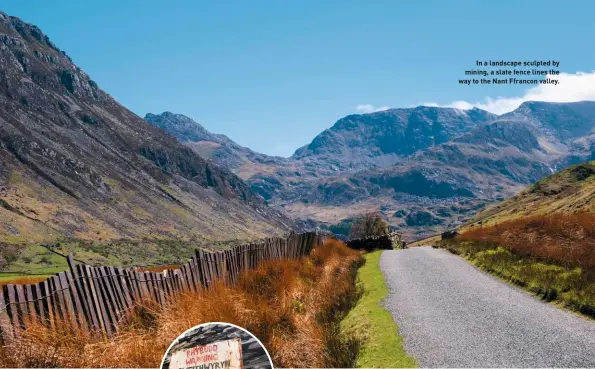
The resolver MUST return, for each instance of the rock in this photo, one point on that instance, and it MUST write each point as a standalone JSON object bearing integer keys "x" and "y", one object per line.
{"x": 449, "y": 234}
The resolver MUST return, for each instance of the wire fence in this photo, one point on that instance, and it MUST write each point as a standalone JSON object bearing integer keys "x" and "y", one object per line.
{"x": 98, "y": 299}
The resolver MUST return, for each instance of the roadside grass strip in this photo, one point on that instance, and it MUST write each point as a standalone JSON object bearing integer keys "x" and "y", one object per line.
{"x": 382, "y": 346}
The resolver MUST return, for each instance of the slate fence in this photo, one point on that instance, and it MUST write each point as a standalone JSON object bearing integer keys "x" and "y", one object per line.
{"x": 98, "y": 299}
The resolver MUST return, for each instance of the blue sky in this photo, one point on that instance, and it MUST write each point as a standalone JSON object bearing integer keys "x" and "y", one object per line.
{"x": 273, "y": 74}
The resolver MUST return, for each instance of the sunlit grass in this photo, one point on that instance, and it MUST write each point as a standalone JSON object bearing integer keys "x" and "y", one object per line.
{"x": 383, "y": 347}
{"x": 552, "y": 256}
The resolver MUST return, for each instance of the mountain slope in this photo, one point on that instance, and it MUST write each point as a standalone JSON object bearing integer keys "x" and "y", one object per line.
{"x": 567, "y": 191}
{"x": 363, "y": 141}
{"x": 219, "y": 148}
{"x": 76, "y": 163}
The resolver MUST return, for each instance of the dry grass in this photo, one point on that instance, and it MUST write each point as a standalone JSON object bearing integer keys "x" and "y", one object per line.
{"x": 567, "y": 239}
{"x": 568, "y": 191}
{"x": 426, "y": 241}
{"x": 552, "y": 256}
{"x": 293, "y": 307}
{"x": 21, "y": 280}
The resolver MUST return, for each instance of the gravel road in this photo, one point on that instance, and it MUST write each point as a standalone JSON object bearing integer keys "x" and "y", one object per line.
{"x": 453, "y": 315}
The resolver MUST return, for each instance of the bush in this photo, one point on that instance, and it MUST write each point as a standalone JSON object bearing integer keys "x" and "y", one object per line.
{"x": 343, "y": 228}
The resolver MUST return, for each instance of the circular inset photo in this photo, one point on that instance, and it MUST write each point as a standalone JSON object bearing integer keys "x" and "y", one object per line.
{"x": 216, "y": 346}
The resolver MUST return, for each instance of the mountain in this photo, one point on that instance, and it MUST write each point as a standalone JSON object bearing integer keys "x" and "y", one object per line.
{"x": 567, "y": 191}
{"x": 424, "y": 168}
{"x": 75, "y": 163}
{"x": 216, "y": 147}
{"x": 353, "y": 144}
{"x": 441, "y": 186}
{"x": 363, "y": 141}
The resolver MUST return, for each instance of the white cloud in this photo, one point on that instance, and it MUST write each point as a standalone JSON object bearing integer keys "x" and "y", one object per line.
{"x": 368, "y": 108}
{"x": 570, "y": 88}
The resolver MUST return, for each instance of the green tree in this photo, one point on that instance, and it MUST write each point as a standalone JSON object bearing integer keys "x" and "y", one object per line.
{"x": 343, "y": 228}
{"x": 368, "y": 225}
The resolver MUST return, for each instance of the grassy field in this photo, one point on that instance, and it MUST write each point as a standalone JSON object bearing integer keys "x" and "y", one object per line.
{"x": 48, "y": 259}
{"x": 381, "y": 344}
{"x": 552, "y": 256}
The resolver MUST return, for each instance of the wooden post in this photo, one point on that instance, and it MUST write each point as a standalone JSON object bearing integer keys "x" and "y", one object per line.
{"x": 145, "y": 292}
{"x": 48, "y": 302}
{"x": 81, "y": 301}
{"x": 193, "y": 266}
{"x": 87, "y": 295}
{"x": 22, "y": 304}
{"x": 102, "y": 300}
{"x": 78, "y": 301}
{"x": 39, "y": 297}
{"x": 68, "y": 303}
{"x": 123, "y": 281}
{"x": 30, "y": 298}
{"x": 58, "y": 302}
{"x": 113, "y": 279}
{"x": 6, "y": 330}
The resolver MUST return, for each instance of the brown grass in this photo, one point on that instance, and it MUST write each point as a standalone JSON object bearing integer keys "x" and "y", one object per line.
{"x": 22, "y": 280}
{"x": 552, "y": 256}
{"x": 292, "y": 306}
{"x": 566, "y": 239}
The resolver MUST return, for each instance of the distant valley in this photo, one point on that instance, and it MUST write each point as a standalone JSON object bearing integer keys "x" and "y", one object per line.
{"x": 425, "y": 168}
{"x": 77, "y": 165}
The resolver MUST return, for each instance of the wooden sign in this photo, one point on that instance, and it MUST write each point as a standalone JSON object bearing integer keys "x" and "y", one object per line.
{"x": 217, "y": 355}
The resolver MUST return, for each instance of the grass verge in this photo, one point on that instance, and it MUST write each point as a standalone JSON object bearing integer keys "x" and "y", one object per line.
{"x": 382, "y": 347}
{"x": 551, "y": 256}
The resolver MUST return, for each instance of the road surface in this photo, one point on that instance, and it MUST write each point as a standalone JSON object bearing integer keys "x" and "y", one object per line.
{"x": 453, "y": 315}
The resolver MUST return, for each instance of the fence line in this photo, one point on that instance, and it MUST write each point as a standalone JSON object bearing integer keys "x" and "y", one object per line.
{"x": 97, "y": 299}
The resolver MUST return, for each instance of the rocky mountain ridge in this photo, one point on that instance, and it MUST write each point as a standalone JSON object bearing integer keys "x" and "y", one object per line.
{"x": 434, "y": 167}
{"x": 364, "y": 141}
{"x": 217, "y": 147}
{"x": 76, "y": 163}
